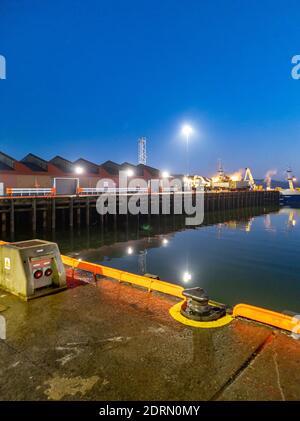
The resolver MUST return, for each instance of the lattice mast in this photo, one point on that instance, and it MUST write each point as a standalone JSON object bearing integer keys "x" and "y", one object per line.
{"x": 142, "y": 151}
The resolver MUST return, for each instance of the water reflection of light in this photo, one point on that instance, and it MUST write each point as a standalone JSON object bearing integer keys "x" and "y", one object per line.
{"x": 186, "y": 277}
{"x": 235, "y": 225}
{"x": 142, "y": 261}
{"x": 129, "y": 250}
{"x": 292, "y": 221}
{"x": 248, "y": 226}
{"x": 268, "y": 224}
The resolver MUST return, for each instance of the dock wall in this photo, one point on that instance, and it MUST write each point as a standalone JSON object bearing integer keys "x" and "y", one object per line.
{"x": 48, "y": 212}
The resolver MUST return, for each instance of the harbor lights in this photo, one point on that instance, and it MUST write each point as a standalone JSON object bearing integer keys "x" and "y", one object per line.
{"x": 186, "y": 277}
{"x": 79, "y": 170}
{"x": 129, "y": 172}
{"x": 187, "y": 130}
{"x": 165, "y": 174}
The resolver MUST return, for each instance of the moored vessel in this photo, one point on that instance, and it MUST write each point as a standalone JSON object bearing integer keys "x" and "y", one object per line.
{"x": 290, "y": 196}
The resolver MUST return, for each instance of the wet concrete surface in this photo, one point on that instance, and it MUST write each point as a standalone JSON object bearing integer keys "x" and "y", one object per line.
{"x": 110, "y": 341}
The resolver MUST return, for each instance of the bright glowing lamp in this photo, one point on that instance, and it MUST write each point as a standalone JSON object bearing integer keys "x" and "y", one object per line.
{"x": 130, "y": 172}
{"x": 79, "y": 170}
{"x": 186, "y": 130}
{"x": 165, "y": 174}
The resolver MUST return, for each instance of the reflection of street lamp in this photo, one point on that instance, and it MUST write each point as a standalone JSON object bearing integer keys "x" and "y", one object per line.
{"x": 129, "y": 250}
{"x": 79, "y": 170}
{"x": 187, "y": 131}
{"x": 186, "y": 277}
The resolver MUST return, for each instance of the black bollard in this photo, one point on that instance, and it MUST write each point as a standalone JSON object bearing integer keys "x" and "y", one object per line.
{"x": 197, "y": 306}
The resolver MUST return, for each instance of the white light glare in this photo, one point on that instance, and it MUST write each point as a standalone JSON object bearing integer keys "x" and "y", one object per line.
{"x": 165, "y": 241}
{"x": 186, "y": 277}
{"x": 187, "y": 130}
{"x": 79, "y": 170}
{"x": 129, "y": 250}
{"x": 165, "y": 174}
{"x": 130, "y": 172}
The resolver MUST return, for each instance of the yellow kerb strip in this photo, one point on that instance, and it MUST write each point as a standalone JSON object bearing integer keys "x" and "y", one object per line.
{"x": 139, "y": 280}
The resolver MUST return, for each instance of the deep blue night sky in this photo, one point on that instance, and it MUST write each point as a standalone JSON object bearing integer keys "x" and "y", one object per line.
{"x": 87, "y": 78}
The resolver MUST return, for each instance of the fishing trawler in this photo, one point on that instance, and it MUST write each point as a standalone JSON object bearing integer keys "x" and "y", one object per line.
{"x": 290, "y": 196}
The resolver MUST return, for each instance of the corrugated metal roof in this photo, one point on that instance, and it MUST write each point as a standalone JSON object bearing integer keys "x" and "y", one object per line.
{"x": 89, "y": 166}
{"x": 63, "y": 164}
{"x": 35, "y": 163}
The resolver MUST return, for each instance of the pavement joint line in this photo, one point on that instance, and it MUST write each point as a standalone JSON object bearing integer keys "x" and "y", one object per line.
{"x": 244, "y": 366}
{"x": 275, "y": 356}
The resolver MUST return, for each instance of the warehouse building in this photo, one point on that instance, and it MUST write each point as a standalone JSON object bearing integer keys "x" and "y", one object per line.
{"x": 33, "y": 171}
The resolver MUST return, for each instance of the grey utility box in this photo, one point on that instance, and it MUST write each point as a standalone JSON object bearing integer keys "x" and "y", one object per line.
{"x": 31, "y": 268}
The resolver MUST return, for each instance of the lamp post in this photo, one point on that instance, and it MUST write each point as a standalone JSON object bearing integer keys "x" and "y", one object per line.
{"x": 79, "y": 171}
{"x": 187, "y": 131}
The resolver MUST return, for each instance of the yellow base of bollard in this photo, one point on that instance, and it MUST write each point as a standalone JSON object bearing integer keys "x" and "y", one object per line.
{"x": 175, "y": 313}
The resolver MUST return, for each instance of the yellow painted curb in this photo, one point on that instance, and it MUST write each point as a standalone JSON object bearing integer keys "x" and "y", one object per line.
{"x": 175, "y": 313}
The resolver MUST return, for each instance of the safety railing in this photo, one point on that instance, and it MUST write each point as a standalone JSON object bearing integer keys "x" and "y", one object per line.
{"x": 84, "y": 191}
{"x": 20, "y": 191}
{"x": 114, "y": 190}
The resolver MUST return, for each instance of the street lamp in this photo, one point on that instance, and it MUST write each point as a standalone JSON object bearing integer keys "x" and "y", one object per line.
{"x": 130, "y": 172}
{"x": 165, "y": 174}
{"x": 187, "y": 131}
{"x": 79, "y": 170}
